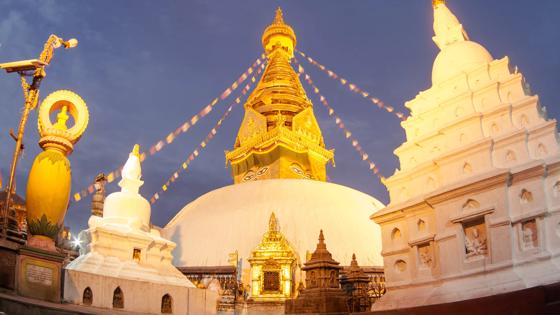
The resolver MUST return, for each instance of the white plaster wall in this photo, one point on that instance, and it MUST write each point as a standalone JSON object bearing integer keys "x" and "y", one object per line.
{"x": 139, "y": 296}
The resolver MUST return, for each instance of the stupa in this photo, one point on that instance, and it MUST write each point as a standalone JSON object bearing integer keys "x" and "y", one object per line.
{"x": 125, "y": 264}
{"x": 279, "y": 164}
{"x": 474, "y": 208}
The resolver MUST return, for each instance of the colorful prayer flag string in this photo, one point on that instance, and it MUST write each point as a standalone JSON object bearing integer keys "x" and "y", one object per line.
{"x": 347, "y": 134}
{"x": 194, "y": 154}
{"x": 353, "y": 87}
{"x": 189, "y": 123}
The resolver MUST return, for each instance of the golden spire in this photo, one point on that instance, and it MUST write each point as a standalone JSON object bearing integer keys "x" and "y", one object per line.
{"x": 321, "y": 240}
{"x": 273, "y": 223}
{"x": 279, "y": 17}
{"x": 279, "y": 34}
{"x": 279, "y": 136}
{"x": 435, "y": 3}
{"x": 136, "y": 150}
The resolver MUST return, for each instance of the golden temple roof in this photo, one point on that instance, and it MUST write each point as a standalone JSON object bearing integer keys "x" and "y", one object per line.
{"x": 273, "y": 243}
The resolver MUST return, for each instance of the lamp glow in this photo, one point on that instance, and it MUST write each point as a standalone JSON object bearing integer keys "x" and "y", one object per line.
{"x": 76, "y": 242}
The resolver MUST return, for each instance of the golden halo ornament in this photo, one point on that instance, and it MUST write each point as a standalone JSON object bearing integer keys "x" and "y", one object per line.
{"x": 58, "y": 134}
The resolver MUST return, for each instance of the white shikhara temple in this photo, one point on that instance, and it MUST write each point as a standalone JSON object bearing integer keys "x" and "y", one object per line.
{"x": 475, "y": 206}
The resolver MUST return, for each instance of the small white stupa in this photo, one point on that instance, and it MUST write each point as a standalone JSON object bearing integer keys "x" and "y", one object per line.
{"x": 126, "y": 264}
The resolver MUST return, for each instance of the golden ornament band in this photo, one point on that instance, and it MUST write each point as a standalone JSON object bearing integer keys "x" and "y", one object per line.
{"x": 347, "y": 134}
{"x": 191, "y": 122}
{"x": 185, "y": 165}
{"x": 353, "y": 87}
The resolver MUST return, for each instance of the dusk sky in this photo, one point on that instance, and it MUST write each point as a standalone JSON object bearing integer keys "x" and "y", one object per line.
{"x": 144, "y": 67}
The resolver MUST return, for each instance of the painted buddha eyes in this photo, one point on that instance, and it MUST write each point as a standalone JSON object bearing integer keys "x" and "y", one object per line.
{"x": 251, "y": 175}
{"x": 297, "y": 170}
{"x": 262, "y": 171}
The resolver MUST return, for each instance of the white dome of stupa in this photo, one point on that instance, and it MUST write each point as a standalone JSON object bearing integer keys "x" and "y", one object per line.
{"x": 458, "y": 53}
{"x": 458, "y": 57}
{"x": 235, "y": 217}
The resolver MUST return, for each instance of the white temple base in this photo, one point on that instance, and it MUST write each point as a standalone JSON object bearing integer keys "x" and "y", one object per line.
{"x": 106, "y": 264}
{"x": 140, "y": 296}
{"x": 471, "y": 286}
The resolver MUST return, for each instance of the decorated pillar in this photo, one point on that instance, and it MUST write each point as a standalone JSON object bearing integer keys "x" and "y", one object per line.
{"x": 48, "y": 186}
{"x": 98, "y": 198}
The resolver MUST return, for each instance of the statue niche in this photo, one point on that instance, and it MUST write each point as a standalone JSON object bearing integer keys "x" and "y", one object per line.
{"x": 118, "y": 298}
{"x": 166, "y": 304}
{"x": 475, "y": 238}
{"x": 87, "y": 298}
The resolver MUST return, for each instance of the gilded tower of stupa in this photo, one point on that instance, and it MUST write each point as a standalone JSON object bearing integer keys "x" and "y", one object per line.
{"x": 279, "y": 136}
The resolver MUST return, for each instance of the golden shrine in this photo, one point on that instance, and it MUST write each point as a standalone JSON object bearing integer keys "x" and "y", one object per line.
{"x": 273, "y": 265}
{"x": 279, "y": 136}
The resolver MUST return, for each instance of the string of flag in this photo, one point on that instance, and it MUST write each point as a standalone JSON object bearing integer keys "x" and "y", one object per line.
{"x": 196, "y": 152}
{"x": 353, "y": 87}
{"x": 184, "y": 127}
{"x": 347, "y": 134}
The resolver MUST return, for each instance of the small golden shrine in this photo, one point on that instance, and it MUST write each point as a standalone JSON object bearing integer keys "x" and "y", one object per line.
{"x": 273, "y": 264}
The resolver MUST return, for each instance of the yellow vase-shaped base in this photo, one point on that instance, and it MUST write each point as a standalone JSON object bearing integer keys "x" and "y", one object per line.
{"x": 48, "y": 193}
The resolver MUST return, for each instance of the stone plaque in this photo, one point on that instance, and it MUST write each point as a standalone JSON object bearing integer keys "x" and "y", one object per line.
{"x": 39, "y": 274}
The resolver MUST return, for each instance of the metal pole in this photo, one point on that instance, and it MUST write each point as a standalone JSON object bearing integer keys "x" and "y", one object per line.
{"x": 31, "y": 97}
{"x": 29, "y": 104}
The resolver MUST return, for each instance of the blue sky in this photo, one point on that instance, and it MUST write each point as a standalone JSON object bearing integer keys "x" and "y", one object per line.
{"x": 143, "y": 67}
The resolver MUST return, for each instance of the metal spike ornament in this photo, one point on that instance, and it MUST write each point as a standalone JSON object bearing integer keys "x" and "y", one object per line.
{"x": 48, "y": 186}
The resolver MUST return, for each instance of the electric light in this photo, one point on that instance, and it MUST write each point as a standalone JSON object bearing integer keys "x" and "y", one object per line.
{"x": 76, "y": 242}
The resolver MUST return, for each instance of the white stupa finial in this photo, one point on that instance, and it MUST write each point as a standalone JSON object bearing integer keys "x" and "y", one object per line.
{"x": 447, "y": 27}
{"x": 132, "y": 172}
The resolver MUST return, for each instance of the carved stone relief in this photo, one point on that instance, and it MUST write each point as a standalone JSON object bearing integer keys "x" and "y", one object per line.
{"x": 529, "y": 234}
{"x": 475, "y": 238}
{"x": 425, "y": 256}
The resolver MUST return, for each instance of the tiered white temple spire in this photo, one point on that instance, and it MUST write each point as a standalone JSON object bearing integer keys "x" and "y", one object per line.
{"x": 474, "y": 205}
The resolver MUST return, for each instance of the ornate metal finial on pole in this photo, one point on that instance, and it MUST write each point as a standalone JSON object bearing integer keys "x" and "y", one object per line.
{"x": 31, "y": 94}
